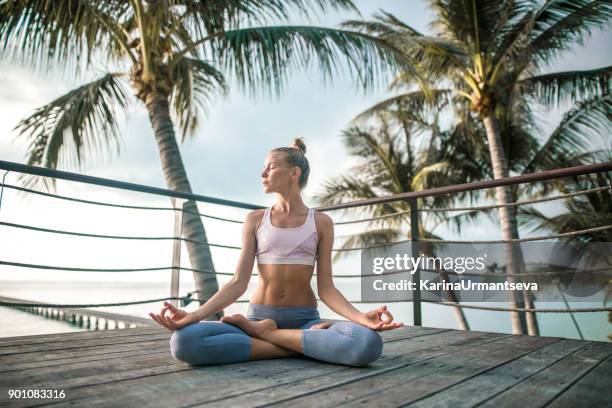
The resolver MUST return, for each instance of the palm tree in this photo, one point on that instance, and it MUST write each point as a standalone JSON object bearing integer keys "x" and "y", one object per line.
{"x": 491, "y": 56}
{"x": 173, "y": 52}
{"x": 584, "y": 211}
{"x": 391, "y": 164}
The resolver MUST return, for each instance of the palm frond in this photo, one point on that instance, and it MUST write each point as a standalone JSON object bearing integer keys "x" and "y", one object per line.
{"x": 420, "y": 180}
{"x": 366, "y": 239}
{"x": 74, "y": 125}
{"x": 457, "y": 222}
{"x": 47, "y": 32}
{"x": 561, "y": 23}
{"x": 377, "y": 147}
{"x": 415, "y": 101}
{"x": 392, "y": 21}
{"x": 574, "y": 134}
{"x": 261, "y": 58}
{"x": 385, "y": 23}
{"x": 473, "y": 22}
{"x": 569, "y": 86}
{"x": 216, "y": 15}
{"x": 195, "y": 82}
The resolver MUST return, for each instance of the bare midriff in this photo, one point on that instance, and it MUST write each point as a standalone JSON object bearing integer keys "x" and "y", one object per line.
{"x": 284, "y": 285}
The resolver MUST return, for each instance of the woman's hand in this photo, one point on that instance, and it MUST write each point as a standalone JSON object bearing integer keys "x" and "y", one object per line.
{"x": 177, "y": 319}
{"x": 373, "y": 320}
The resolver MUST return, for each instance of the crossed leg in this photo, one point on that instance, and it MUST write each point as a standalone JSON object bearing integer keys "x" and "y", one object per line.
{"x": 262, "y": 350}
{"x": 237, "y": 339}
{"x": 266, "y": 331}
{"x": 345, "y": 343}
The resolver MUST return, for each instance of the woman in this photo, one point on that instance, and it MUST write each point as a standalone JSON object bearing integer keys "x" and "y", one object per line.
{"x": 282, "y": 318}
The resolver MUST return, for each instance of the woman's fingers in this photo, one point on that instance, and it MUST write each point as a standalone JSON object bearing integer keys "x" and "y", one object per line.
{"x": 154, "y": 317}
{"x": 162, "y": 321}
{"x": 383, "y": 310}
{"x": 391, "y": 326}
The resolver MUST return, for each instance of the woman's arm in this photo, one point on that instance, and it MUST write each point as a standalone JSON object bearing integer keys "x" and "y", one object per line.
{"x": 328, "y": 293}
{"x": 236, "y": 286}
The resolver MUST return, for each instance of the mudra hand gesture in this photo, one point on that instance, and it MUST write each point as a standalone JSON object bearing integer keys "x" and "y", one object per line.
{"x": 373, "y": 320}
{"x": 176, "y": 319}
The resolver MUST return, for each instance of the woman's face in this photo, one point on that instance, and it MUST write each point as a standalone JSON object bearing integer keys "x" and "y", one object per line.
{"x": 277, "y": 175}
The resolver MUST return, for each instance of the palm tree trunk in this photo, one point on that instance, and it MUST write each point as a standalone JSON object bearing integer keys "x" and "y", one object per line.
{"x": 506, "y": 216}
{"x": 459, "y": 313}
{"x": 176, "y": 179}
{"x": 451, "y": 297}
{"x": 532, "y": 322}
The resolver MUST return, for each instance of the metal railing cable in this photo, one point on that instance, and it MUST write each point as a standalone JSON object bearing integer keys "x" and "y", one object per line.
{"x": 519, "y": 309}
{"x": 106, "y": 204}
{"x": 522, "y": 202}
{"x": 186, "y": 298}
{"x": 365, "y": 275}
{"x": 127, "y": 237}
{"x": 57, "y": 305}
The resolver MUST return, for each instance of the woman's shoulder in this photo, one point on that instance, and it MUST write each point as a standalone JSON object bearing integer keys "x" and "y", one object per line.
{"x": 322, "y": 219}
{"x": 255, "y": 217}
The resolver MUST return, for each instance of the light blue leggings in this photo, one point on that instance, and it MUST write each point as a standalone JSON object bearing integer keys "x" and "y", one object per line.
{"x": 214, "y": 342}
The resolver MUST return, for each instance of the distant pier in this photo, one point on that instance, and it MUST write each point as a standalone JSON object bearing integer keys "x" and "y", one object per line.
{"x": 86, "y": 318}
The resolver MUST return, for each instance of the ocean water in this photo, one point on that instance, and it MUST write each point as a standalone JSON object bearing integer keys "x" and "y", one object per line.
{"x": 594, "y": 326}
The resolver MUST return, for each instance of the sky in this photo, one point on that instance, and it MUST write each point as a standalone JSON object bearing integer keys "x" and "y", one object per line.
{"x": 224, "y": 160}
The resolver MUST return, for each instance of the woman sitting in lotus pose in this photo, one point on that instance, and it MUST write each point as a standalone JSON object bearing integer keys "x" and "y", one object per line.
{"x": 282, "y": 318}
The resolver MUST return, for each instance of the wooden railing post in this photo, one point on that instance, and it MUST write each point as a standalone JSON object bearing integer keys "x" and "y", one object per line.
{"x": 416, "y": 277}
{"x": 177, "y": 203}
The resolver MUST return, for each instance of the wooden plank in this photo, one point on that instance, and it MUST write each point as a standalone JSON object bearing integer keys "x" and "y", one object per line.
{"x": 211, "y": 383}
{"x": 76, "y": 352}
{"x": 544, "y": 386}
{"x": 437, "y": 374}
{"x": 592, "y": 390}
{"x": 409, "y": 332}
{"x": 75, "y": 336}
{"x": 69, "y": 371}
{"x": 80, "y": 359}
{"x": 84, "y": 342}
{"x": 490, "y": 383}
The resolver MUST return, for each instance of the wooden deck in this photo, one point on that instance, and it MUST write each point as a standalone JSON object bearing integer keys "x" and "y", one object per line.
{"x": 420, "y": 366}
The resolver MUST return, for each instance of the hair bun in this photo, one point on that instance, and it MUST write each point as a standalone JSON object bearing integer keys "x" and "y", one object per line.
{"x": 298, "y": 143}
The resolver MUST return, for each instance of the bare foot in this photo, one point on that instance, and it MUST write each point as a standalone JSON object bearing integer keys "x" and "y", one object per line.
{"x": 253, "y": 329}
{"x": 322, "y": 325}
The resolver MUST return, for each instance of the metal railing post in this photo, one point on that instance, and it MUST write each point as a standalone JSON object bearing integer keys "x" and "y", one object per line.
{"x": 177, "y": 203}
{"x": 416, "y": 249}
{"x": 2, "y": 189}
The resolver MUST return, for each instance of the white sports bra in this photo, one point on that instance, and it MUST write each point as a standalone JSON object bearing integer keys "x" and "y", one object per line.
{"x": 287, "y": 245}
